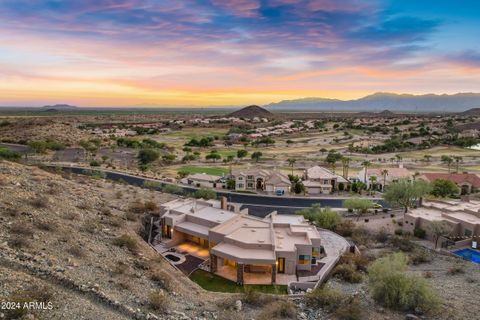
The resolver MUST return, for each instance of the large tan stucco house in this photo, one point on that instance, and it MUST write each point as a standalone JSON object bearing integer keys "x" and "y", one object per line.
{"x": 321, "y": 180}
{"x": 463, "y": 217}
{"x": 240, "y": 244}
{"x": 378, "y": 176}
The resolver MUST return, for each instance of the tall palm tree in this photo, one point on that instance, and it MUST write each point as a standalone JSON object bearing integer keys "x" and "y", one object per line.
{"x": 384, "y": 174}
{"x": 345, "y": 165}
{"x": 458, "y": 159}
{"x": 448, "y": 161}
{"x": 365, "y": 164}
{"x": 291, "y": 163}
{"x": 373, "y": 181}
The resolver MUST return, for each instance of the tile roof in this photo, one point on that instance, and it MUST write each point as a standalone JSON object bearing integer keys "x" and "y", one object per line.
{"x": 458, "y": 178}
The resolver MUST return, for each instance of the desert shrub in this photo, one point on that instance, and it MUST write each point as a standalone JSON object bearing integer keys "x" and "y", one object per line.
{"x": 18, "y": 242}
{"x": 350, "y": 310}
{"x": 456, "y": 269}
{"x": 345, "y": 228}
{"x": 255, "y": 298}
{"x": 127, "y": 242}
{"x": 137, "y": 206}
{"x": 76, "y": 251}
{"x": 104, "y": 210}
{"x": 171, "y": 188}
{"x": 278, "y": 310}
{"x": 124, "y": 282}
{"x": 381, "y": 236}
{"x": 348, "y": 273}
{"x": 158, "y": 301}
{"x": 21, "y": 229}
{"x": 120, "y": 268}
{"x": 89, "y": 226}
{"x": 150, "y": 206}
{"x": 419, "y": 256}
{"x": 428, "y": 274}
{"x": 40, "y": 202}
{"x": 69, "y": 215}
{"x": 46, "y": 226}
{"x": 84, "y": 205}
{"x": 130, "y": 216}
{"x": 404, "y": 244}
{"x": 162, "y": 279}
{"x": 398, "y": 232}
{"x": 118, "y": 194}
{"x": 230, "y": 315}
{"x": 393, "y": 287}
{"x": 325, "y": 297}
{"x": 358, "y": 260}
{"x": 361, "y": 236}
{"x": 419, "y": 233}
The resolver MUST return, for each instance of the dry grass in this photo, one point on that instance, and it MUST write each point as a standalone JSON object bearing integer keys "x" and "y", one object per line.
{"x": 278, "y": 310}
{"x": 125, "y": 241}
{"x": 40, "y": 202}
{"x": 46, "y": 226}
{"x": 158, "y": 301}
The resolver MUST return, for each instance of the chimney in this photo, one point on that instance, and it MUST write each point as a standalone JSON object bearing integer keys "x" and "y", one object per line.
{"x": 224, "y": 203}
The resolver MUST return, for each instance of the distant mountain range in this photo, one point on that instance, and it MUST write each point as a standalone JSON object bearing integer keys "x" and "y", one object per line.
{"x": 59, "y": 107}
{"x": 380, "y": 101}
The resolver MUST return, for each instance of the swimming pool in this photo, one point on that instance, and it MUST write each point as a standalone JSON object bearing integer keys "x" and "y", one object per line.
{"x": 469, "y": 254}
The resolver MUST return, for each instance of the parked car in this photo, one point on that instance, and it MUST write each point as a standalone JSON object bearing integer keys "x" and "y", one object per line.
{"x": 280, "y": 192}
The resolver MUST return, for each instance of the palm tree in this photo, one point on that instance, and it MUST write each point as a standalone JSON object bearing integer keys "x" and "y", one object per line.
{"x": 373, "y": 181}
{"x": 448, "y": 161}
{"x": 399, "y": 158}
{"x": 345, "y": 165}
{"x": 458, "y": 159}
{"x": 384, "y": 174}
{"x": 291, "y": 163}
{"x": 365, "y": 164}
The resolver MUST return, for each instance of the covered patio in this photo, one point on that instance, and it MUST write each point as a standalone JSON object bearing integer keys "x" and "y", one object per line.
{"x": 244, "y": 266}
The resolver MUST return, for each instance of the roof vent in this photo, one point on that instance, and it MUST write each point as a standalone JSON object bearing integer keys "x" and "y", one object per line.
{"x": 253, "y": 230}
{"x": 261, "y": 241}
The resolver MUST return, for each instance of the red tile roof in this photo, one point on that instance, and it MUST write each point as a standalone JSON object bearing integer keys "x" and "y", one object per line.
{"x": 458, "y": 178}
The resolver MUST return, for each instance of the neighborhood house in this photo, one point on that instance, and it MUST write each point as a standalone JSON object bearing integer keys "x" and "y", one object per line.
{"x": 321, "y": 180}
{"x": 467, "y": 182}
{"x": 243, "y": 247}
{"x": 262, "y": 180}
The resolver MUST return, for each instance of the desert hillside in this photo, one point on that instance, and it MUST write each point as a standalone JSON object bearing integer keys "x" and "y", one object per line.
{"x": 73, "y": 241}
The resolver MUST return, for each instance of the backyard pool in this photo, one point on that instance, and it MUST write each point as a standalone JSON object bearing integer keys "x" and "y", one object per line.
{"x": 469, "y": 254}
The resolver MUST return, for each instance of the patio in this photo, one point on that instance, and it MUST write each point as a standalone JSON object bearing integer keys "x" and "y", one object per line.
{"x": 230, "y": 273}
{"x": 193, "y": 249}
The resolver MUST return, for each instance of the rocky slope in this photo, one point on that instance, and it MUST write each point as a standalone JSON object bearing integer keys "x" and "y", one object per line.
{"x": 59, "y": 243}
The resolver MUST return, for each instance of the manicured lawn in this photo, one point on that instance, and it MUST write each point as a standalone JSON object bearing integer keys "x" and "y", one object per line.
{"x": 208, "y": 170}
{"x": 215, "y": 283}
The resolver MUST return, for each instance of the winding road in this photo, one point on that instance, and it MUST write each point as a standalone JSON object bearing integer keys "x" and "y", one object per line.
{"x": 258, "y": 205}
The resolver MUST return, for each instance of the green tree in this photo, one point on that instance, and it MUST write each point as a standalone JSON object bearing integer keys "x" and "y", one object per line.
{"x": 242, "y": 153}
{"x": 205, "y": 193}
{"x": 332, "y": 159}
{"x": 443, "y": 188}
{"x": 298, "y": 187}
{"x": 439, "y": 229}
{"x": 358, "y": 206}
{"x": 405, "y": 193}
{"x": 231, "y": 184}
{"x": 169, "y": 157}
{"x": 324, "y": 218}
{"x": 257, "y": 155}
{"x": 146, "y": 156}
{"x": 213, "y": 155}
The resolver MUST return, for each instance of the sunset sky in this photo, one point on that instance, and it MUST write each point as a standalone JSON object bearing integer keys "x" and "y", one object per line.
{"x": 227, "y": 52}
